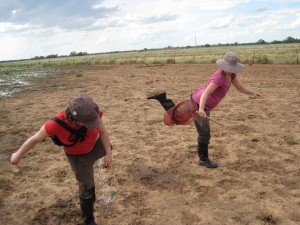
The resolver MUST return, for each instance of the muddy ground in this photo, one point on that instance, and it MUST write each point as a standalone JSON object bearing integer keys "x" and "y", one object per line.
{"x": 155, "y": 178}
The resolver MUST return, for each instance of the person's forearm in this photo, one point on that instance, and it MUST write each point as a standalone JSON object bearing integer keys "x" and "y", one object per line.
{"x": 106, "y": 142}
{"x": 202, "y": 101}
{"x": 246, "y": 91}
{"x": 29, "y": 144}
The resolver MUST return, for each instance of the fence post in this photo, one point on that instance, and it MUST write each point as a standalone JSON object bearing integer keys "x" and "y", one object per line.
{"x": 297, "y": 56}
{"x": 253, "y": 58}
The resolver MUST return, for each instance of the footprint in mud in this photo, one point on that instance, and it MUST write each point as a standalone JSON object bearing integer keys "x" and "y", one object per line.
{"x": 134, "y": 199}
{"x": 6, "y": 185}
{"x": 156, "y": 179}
{"x": 59, "y": 175}
{"x": 147, "y": 174}
{"x": 267, "y": 219}
{"x": 241, "y": 129}
{"x": 63, "y": 211}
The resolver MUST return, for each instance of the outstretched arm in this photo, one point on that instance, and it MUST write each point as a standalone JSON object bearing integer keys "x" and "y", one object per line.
{"x": 244, "y": 90}
{"x": 106, "y": 143}
{"x": 29, "y": 144}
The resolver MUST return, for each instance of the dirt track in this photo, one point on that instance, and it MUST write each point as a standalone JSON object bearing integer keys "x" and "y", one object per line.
{"x": 155, "y": 175}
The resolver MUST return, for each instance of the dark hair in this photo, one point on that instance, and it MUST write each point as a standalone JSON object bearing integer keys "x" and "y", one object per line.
{"x": 70, "y": 117}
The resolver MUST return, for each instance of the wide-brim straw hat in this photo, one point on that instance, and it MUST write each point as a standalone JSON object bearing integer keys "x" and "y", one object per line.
{"x": 183, "y": 113}
{"x": 230, "y": 63}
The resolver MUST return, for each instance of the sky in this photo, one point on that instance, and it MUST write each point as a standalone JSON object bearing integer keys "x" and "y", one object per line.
{"x": 30, "y": 28}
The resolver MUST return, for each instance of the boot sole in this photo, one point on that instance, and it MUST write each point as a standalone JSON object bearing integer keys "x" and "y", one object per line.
{"x": 201, "y": 163}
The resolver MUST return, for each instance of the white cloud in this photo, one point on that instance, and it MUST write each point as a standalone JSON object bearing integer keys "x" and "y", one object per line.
{"x": 219, "y": 23}
{"x": 261, "y": 9}
{"x": 295, "y": 24}
{"x": 207, "y": 4}
{"x": 59, "y": 27}
{"x": 108, "y": 4}
{"x": 4, "y": 27}
{"x": 102, "y": 39}
{"x": 267, "y": 24}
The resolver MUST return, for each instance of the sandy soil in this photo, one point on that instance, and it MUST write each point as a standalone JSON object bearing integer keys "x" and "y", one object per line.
{"x": 155, "y": 177}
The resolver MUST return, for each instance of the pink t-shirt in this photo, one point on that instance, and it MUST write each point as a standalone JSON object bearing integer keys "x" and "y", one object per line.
{"x": 214, "y": 98}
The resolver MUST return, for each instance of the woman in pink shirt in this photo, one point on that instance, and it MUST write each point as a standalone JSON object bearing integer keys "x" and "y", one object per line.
{"x": 209, "y": 97}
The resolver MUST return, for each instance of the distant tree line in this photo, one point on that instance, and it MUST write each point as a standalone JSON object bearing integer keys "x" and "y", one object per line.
{"x": 259, "y": 42}
{"x": 47, "y": 57}
{"x": 78, "y": 54}
{"x": 56, "y": 56}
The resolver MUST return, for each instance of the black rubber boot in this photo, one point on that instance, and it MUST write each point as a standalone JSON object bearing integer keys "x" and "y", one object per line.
{"x": 87, "y": 207}
{"x": 163, "y": 100}
{"x": 203, "y": 155}
{"x": 158, "y": 95}
{"x": 87, "y": 211}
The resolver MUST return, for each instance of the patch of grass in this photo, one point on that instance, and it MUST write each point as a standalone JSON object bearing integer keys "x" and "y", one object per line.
{"x": 213, "y": 60}
{"x": 35, "y": 168}
{"x": 170, "y": 61}
{"x": 189, "y": 61}
{"x": 112, "y": 61}
{"x": 262, "y": 54}
{"x": 195, "y": 175}
{"x": 192, "y": 146}
{"x": 78, "y": 74}
{"x": 193, "y": 179}
{"x": 151, "y": 122}
{"x": 112, "y": 192}
{"x": 263, "y": 60}
{"x": 291, "y": 140}
{"x": 104, "y": 215}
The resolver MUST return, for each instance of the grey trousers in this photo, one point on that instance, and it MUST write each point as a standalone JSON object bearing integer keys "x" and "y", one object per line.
{"x": 82, "y": 166}
{"x": 203, "y": 128}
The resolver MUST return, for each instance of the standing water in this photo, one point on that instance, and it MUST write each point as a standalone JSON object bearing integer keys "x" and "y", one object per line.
{"x": 13, "y": 79}
{"x": 107, "y": 196}
{"x": 16, "y": 78}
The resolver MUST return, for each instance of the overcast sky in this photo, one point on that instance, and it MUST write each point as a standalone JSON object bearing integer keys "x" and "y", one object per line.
{"x": 30, "y": 28}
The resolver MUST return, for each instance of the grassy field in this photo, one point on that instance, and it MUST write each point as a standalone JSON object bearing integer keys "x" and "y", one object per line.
{"x": 252, "y": 54}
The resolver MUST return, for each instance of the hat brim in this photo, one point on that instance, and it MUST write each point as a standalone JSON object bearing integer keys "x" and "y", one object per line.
{"x": 92, "y": 124}
{"x": 168, "y": 117}
{"x": 183, "y": 113}
{"x": 229, "y": 68}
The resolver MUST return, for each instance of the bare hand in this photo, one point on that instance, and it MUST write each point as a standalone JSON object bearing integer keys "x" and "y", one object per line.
{"x": 107, "y": 161}
{"x": 258, "y": 95}
{"x": 202, "y": 113}
{"x": 15, "y": 159}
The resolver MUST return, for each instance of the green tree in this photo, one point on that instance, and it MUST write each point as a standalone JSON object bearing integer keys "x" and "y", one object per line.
{"x": 289, "y": 40}
{"x": 261, "y": 42}
{"x": 52, "y": 56}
